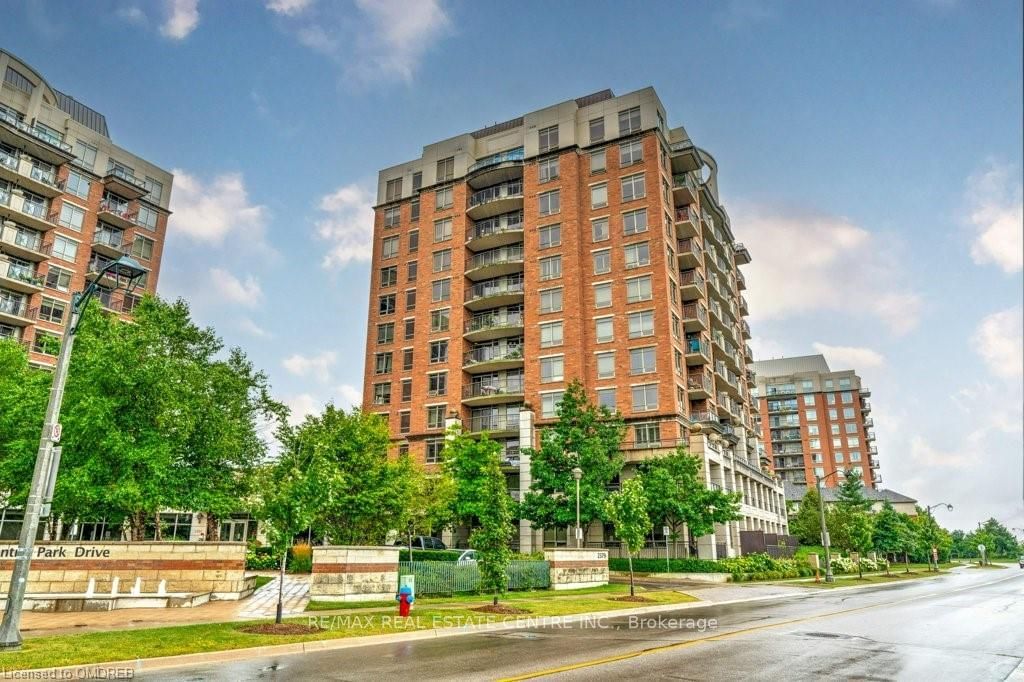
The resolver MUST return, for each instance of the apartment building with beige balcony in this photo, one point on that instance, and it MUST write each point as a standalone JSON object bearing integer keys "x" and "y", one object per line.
{"x": 70, "y": 202}
{"x": 586, "y": 241}
{"x": 815, "y": 421}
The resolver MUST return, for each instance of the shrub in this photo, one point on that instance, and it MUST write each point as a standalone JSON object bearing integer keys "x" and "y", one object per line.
{"x": 674, "y": 566}
{"x": 430, "y": 555}
{"x": 301, "y": 560}
{"x": 261, "y": 559}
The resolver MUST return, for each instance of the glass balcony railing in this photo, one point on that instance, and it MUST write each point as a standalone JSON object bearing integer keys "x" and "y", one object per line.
{"x": 505, "y": 190}
{"x": 20, "y": 272}
{"x": 494, "y": 422}
{"x": 493, "y": 321}
{"x": 495, "y": 287}
{"x": 13, "y": 306}
{"x": 691, "y": 278}
{"x": 8, "y": 160}
{"x": 5, "y": 197}
{"x": 499, "y": 158}
{"x": 492, "y": 354}
{"x": 12, "y": 120}
{"x": 114, "y": 240}
{"x": 508, "y": 222}
{"x": 699, "y": 382}
{"x": 509, "y": 254}
{"x": 483, "y": 389}
{"x": 25, "y": 240}
{"x": 695, "y": 311}
{"x": 43, "y": 175}
{"x": 698, "y": 345}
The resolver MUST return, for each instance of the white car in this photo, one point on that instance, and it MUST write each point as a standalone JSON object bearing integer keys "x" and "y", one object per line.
{"x": 467, "y": 557}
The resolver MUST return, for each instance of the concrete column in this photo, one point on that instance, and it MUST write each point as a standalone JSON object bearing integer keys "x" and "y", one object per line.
{"x": 706, "y": 548}
{"x": 527, "y": 539}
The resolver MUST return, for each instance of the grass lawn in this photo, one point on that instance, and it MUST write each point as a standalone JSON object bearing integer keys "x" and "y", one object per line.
{"x": 262, "y": 580}
{"x": 98, "y": 647}
{"x": 987, "y": 566}
{"x": 475, "y": 599}
{"x": 850, "y": 580}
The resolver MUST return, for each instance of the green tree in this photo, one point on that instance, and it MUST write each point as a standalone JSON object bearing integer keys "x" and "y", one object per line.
{"x": 627, "y": 510}
{"x": 850, "y": 493}
{"x": 584, "y": 436}
{"x": 930, "y": 534}
{"x": 431, "y": 502}
{"x": 859, "y": 530}
{"x": 998, "y": 540}
{"x": 677, "y": 495}
{"x": 887, "y": 536}
{"x": 805, "y": 523}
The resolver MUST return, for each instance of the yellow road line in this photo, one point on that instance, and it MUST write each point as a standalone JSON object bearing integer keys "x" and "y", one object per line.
{"x": 729, "y": 635}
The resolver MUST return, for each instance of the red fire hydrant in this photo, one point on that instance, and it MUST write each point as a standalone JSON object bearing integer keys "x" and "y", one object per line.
{"x": 405, "y": 600}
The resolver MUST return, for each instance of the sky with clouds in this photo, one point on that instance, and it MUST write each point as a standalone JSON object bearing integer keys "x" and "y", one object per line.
{"x": 870, "y": 159}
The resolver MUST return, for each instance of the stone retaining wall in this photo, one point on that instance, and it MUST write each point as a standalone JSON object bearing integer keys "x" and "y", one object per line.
{"x": 354, "y": 573}
{"x": 576, "y": 568}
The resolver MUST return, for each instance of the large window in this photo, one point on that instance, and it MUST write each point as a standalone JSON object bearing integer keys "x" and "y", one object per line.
{"x": 547, "y": 139}
{"x": 633, "y": 187}
{"x": 440, "y": 319}
{"x": 435, "y": 446}
{"x": 85, "y": 153}
{"x": 446, "y": 169}
{"x": 142, "y": 248}
{"x": 393, "y": 189}
{"x": 600, "y": 229}
{"x": 435, "y": 416}
{"x": 598, "y": 161}
{"x": 443, "y": 198}
{"x": 648, "y": 434}
{"x": 641, "y": 324}
{"x": 52, "y": 310}
{"x": 629, "y": 121}
{"x": 550, "y": 267}
{"x": 437, "y": 383}
{"x": 631, "y": 152}
{"x": 638, "y": 289}
{"x": 550, "y": 334}
{"x": 443, "y": 230}
{"x": 382, "y": 393}
{"x": 547, "y": 169}
{"x": 549, "y": 202}
{"x": 176, "y": 527}
{"x": 552, "y": 369}
{"x": 634, "y": 222}
{"x": 58, "y": 278}
{"x": 392, "y": 216}
{"x": 606, "y": 398}
{"x": 386, "y": 304}
{"x": 65, "y": 249}
{"x": 638, "y": 255}
{"x": 605, "y": 365}
{"x": 442, "y": 260}
{"x": 599, "y": 195}
{"x": 146, "y": 217}
{"x": 642, "y": 360}
{"x": 389, "y": 276}
{"x": 440, "y": 290}
{"x": 602, "y": 261}
{"x": 386, "y": 332}
{"x": 603, "y": 295}
{"x": 78, "y": 185}
{"x": 382, "y": 363}
{"x": 596, "y": 129}
{"x": 604, "y": 329}
{"x": 71, "y": 216}
{"x": 645, "y": 397}
{"x": 438, "y": 352}
{"x": 390, "y": 247}
{"x": 551, "y": 300}
{"x": 549, "y": 404}
{"x": 549, "y": 236}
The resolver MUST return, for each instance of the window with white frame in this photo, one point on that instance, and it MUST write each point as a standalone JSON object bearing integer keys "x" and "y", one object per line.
{"x": 551, "y": 300}
{"x": 442, "y": 260}
{"x": 443, "y": 198}
{"x": 599, "y": 195}
{"x": 642, "y": 360}
{"x": 382, "y": 393}
{"x": 446, "y": 169}
{"x": 440, "y": 320}
{"x": 393, "y": 189}
{"x": 442, "y": 230}
{"x": 637, "y": 255}
{"x": 605, "y": 365}
{"x": 633, "y": 187}
{"x": 549, "y": 236}
{"x": 78, "y": 184}
{"x": 606, "y": 398}
{"x": 434, "y": 448}
{"x": 389, "y": 248}
{"x": 645, "y": 397}
{"x": 641, "y": 324}
{"x": 547, "y": 169}
{"x": 550, "y": 267}
{"x": 440, "y": 290}
{"x": 549, "y": 404}
{"x": 602, "y": 261}
{"x": 603, "y": 295}
{"x": 58, "y": 278}
{"x": 598, "y": 161}
{"x": 629, "y": 121}
{"x": 64, "y": 249}
{"x": 435, "y": 416}
{"x": 437, "y": 383}
{"x": 634, "y": 222}
{"x": 392, "y": 216}
{"x": 631, "y": 152}
{"x": 638, "y": 289}
{"x": 809, "y": 399}
{"x": 52, "y": 310}
{"x": 648, "y": 434}
{"x": 596, "y": 129}
{"x": 550, "y": 334}
{"x": 605, "y": 329}
{"x": 438, "y": 352}
{"x": 552, "y": 369}
{"x": 600, "y": 229}
{"x": 146, "y": 217}
{"x": 71, "y": 216}
{"x": 549, "y": 202}
{"x": 547, "y": 139}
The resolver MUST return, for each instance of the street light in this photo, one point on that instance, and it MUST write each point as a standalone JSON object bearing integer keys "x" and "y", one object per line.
{"x": 934, "y": 554}
{"x": 126, "y": 272}
{"x": 829, "y": 578}
{"x": 577, "y": 473}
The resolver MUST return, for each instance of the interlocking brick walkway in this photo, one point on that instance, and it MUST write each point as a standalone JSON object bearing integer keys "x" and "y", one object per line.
{"x": 263, "y": 602}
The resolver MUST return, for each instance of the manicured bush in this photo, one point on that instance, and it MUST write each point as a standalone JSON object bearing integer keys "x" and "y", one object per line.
{"x": 674, "y": 566}
{"x": 301, "y": 560}
{"x": 261, "y": 559}
{"x": 430, "y": 555}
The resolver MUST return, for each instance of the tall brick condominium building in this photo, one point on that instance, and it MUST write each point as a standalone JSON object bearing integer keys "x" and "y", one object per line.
{"x": 70, "y": 202}
{"x": 815, "y": 421}
{"x": 581, "y": 241}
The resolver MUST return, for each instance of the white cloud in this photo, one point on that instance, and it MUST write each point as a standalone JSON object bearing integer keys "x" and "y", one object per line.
{"x": 997, "y": 216}
{"x": 315, "y": 366}
{"x": 182, "y": 18}
{"x": 345, "y": 397}
{"x": 348, "y": 225}
{"x": 131, "y": 14}
{"x": 348, "y": 396}
{"x": 999, "y": 341}
{"x": 806, "y": 263}
{"x": 288, "y": 7}
{"x": 301, "y": 406}
{"x": 229, "y": 288}
{"x": 208, "y": 210}
{"x": 248, "y": 326}
{"x": 849, "y": 357}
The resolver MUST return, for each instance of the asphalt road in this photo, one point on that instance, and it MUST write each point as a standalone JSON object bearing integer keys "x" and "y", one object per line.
{"x": 964, "y": 626}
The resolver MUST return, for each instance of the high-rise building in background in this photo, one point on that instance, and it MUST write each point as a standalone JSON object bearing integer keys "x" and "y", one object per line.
{"x": 815, "y": 421}
{"x": 70, "y": 202}
{"x": 582, "y": 241}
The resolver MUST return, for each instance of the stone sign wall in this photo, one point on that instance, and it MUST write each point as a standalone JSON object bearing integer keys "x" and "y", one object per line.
{"x": 354, "y": 573}
{"x": 575, "y": 568}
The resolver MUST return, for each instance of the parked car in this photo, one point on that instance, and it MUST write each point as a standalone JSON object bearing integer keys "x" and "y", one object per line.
{"x": 1022, "y": 560}
{"x": 421, "y": 542}
{"x": 468, "y": 556}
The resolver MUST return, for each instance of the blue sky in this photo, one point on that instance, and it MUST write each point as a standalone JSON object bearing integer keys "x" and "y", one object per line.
{"x": 870, "y": 158}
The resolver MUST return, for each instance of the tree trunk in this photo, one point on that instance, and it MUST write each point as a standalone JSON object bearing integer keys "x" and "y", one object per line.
{"x": 906, "y": 562}
{"x": 212, "y": 528}
{"x": 495, "y": 598}
{"x": 157, "y": 534}
{"x": 280, "y": 589}
{"x": 631, "y": 592}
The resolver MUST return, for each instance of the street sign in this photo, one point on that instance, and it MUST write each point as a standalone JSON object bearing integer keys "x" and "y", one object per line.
{"x": 579, "y": 533}
{"x": 665, "y": 530}
{"x": 981, "y": 548}
{"x": 55, "y": 431}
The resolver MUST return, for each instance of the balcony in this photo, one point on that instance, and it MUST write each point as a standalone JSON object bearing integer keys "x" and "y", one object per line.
{"x": 118, "y": 213}
{"x": 751, "y": 377}
{"x": 38, "y": 143}
{"x": 489, "y": 359}
{"x": 869, "y": 435}
{"x": 710, "y": 229}
{"x": 698, "y": 351}
{"x": 22, "y": 170}
{"x": 110, "y": 244}
{"x": 15, "y": 311}
{"x": 865, "y": 392}
{"x": 494, "y": 293}
{"x": 494, "y": 392}
{"x": 727, "y": 407}
{"x": 27, "y": 244}
{"x": 15, "y": 207}
{"x": 684, "y": 156}
{"x": 742, "y": 254}
{"x": 684, "y": 189}
{"x": 496, "y": 200}
{"x": 123, "y": 185}
{"x": 865, "y": 405}
{"x": 741, "y": 281}
{"x": 501, "y": 230}
{"x": 699, "y": 385}
{"x": 19, "y": 277}
{"x": 691, "y": 284}
{"x": 501, "y": 261}
{"x": 874, "y": 463}
{"x": 869, "y": 423}
{"x": 96, "y": 264}
{"x": 510, "y": 457}
{"x": 493, "y": 325}
{"x": 495, "y": 424}
{"x": 687, "y": 222}
{"x": 744, "y": 308}
{"x": 873, "y": 450}
{"x": 748, "y": 354}
{"x": 695, "y": 317}
{"x": 496, "y": 168}
{"x": 745, "y": 329}
{"x": 689, "y": 252}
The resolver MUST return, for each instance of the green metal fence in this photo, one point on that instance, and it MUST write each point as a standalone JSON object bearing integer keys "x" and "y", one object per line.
{"x": 449, "y": 577}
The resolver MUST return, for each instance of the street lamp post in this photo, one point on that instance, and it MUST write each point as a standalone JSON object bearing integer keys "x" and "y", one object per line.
{"x": 127, "y": 271}
{"x": 829, "y": 578}
{"x": 933, "y": 554}
{"x": 577, "y": 473}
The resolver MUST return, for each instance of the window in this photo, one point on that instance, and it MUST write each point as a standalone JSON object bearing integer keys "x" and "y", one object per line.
{"x": 814, "y": 443}
{"x": 45, "y": 343}
{"x": 549, "y": 202}
{"x": 393, "y": 189}
{"x": 550, "y": 236}
{"x": 435, "y": 416}
{"x": 58, "y": 278}
{"x": 642, "y": 360}
{"x": 602, "y": 261}
{"x": 146, "y": 217}
{"x": 830, "y": 398}
{"x": 550, "y": 334}
{"x": 547, "y": 139}
{"x": 828, "y": 384}
{"x": 392, "y": 216}
{"x": 847, "y": 397}
{"x": 605, "y": 329}
{"x": 438, "y": 352}
{"x": 631, "y": 152}
{"x": 819, "y": 471}
{"x": 807, "y": 384}
{"x": 551, "y": 300}
{"x": 647, "y": 434}
{"x": 847, "y": 413}
{"x": 382, "y": 363}
{"x": 634, "y": 222}
{"x": 446, "y": 169}
{"x": 440, "y": 290}
{"x": 605, "y": 365}
{"x": 406, "y": 390}
{"x": 603, "y": 295}
{"x": 386, "y": 304}
{"x": 606, "y": 398}
{"x": 851, "y": 427}
{"x": 833, "y": 414}
{"x": 440, "y": 319}
{"x": 547, "y": 169}
{"x": 435, "y": 446}
{"x": 407, "y": 359}
{"x": 442, "y": 260}
{"x": 414, "y": 241}
{"x": 550, "y": 267}
{"x": 812, "y": 430}
{"x": 838, "y": 457}
{"x": 596, "y": 129}
{"x": 386, "y": 332}
{"x": 834, "y": 428}
{"x": 809, "y": 399}
{"x": 638, "y": 255}
{"x": 443, "y": 198}
{"x": 641, "y": 324}
{"x": 598, "y": 161}
{"x": 443, "y": 230}
{"x": 390, "y": 248}
{"x": 417, "y": 181}
{"x": 844, "y": 383}
{"x": 599, "y": 195}
{"x": 410, "y": 299}
{"x": 837, "y": 442}
{"x": 633, "y": 187}
{"x": 645, "y": 397}
{"x": 155, "y": 189}
{"x": 78, "y": 185}
{"x": 811, "y": 415}
{"x": 600, "y": 229}
{"x": 629, "y": 121}
{"x": 817, "y": 458}
{"x": 675, "y": 327}
{"x": 638, "y": 289}
{"x": 382, "y": 394}
{"x": 404, "y": 421}
{"x": 86, "y": 154}
{"x": 412, "y": 269}
{"x": 437, "y": 383}
{"x": 389, "y": 276}
{"x": 854, "y": 455}
{"x": 52, "y": 310}
{"x": 414, "y": 209}
{"x": 142, "y": 248}
{"x": 71, "y": 216}
{"x": 65, "y": 249}
{"x": 853, "y": 441}
{"x": 410, "y": 328}
{"x": 549, "y": 404}
{"x": 552, "y": 369}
